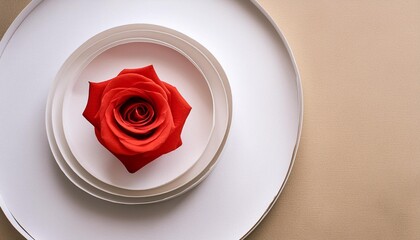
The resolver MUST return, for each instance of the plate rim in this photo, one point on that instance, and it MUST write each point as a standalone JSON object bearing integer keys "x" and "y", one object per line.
{"x": 300, "y": 116}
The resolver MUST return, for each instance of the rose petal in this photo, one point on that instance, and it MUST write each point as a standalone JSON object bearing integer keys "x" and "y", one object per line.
{"x": 135, "y": 162}
{"x": 94, "y": 101}
{"x": 180, "y": 110}
{"x": 149, "y": 72}
{"x": 154, "y": 142}
{"x": 132, "y": 80}
{"x": 108, "y": 139}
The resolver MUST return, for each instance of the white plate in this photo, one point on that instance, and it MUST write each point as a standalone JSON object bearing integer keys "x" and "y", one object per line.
{"x": 172, "y": 68}
{"x": 204, "y": 86}
{"x": 250, "y": 173}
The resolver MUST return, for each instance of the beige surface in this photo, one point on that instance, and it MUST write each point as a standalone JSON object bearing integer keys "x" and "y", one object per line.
{"x": 357, "y": 172}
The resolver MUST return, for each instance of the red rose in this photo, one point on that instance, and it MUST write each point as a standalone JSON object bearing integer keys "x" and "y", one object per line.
{"x": 136, "y": 116}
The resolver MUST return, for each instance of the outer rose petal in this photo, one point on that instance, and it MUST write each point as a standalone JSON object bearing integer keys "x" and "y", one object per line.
{"x": 94, "y": 102}
{"x": 111, "y": 141}
{"x": 148, "y": 71}
{"x": 136, "y": 162}
{"x": 180, "y": 111}
{"x": 134, "y": 80}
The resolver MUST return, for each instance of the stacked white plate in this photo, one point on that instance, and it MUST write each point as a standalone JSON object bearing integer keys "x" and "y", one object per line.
{"x": 178, "y": 60}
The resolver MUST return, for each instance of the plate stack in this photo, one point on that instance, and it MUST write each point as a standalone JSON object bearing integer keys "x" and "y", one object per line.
{"x": 180, "y": 61}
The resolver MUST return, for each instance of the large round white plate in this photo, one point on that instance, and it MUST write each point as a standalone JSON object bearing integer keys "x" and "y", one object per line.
{"x": 251, "y": 170}
{"x": 195, "y": 73}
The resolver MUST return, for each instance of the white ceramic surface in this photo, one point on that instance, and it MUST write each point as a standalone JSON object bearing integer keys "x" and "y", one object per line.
{"x": 252, "y": 169}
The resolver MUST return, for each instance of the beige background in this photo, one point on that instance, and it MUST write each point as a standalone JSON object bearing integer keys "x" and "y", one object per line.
{"x": 357, "y": 173}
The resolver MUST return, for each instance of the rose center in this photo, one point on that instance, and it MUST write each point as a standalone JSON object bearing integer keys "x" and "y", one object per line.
{"x": 137, "y": 111}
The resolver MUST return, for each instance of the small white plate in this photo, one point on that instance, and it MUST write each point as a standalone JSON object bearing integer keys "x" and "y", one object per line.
{"x": 172, "y": 67}
{"x": 188, "y": 68}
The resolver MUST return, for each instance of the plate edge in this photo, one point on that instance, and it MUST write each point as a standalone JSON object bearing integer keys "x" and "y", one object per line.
{"x": 3, "y": 43}
{"x": 16, "y": 23}
{"x": 300, "y": 118}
